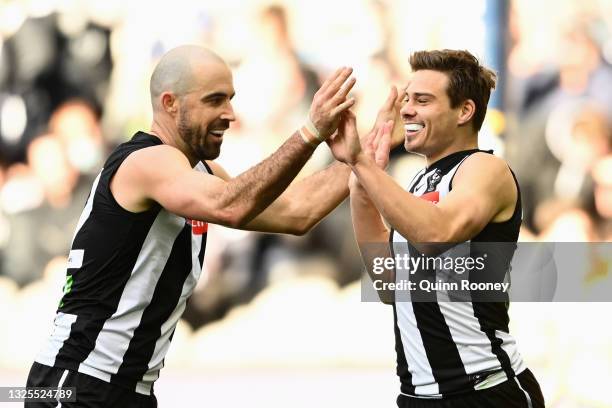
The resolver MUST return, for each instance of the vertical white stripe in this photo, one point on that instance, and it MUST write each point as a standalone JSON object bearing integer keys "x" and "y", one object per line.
{"x": 529, "y": 404}
{"x": 163, "y": 342}
{"x": 118, "y": 330}
{"x": 472, "y": 343}
{"x": 59, "y": 387}
{"x": 62, "y": 325}
{"x": 410, "y": 335}
{"x": 414, "y": 350}
{"x": 509, "y": 346}
{"x": 88, "y": 206}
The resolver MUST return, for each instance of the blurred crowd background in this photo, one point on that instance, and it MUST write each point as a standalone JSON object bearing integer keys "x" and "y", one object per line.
{"x": 74, "y": 84}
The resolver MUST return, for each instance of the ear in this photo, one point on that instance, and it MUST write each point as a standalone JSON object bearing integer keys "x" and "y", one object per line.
{"x": 169, "y": 103}
{"x": 466, "y": 112}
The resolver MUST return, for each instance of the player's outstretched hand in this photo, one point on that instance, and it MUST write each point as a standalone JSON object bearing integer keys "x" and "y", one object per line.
{"x": 378, "y": 144}
{"x": 390, "y": 111}
{"x": 345, "y": 144}
{"x": 330, "y": 101}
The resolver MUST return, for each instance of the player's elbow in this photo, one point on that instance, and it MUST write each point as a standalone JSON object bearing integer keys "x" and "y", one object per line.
{"x": 446, "y": 229}
{"x": 302, "y": 227}
{"x": 439, "y": 236}
{"x": 232, "y": 217}
{"x": 455, "y": 235}
{"x": 296, "y": 231}
{"x": 237, "y": 219}
{"x": 431, "y": 234}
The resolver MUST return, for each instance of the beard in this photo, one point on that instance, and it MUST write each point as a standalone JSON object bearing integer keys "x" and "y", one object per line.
{"x": 196, "y": 139}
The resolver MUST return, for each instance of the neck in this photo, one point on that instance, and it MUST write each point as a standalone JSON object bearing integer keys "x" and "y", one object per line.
{"x": 170, "y": 137}
{"x": 162, "y": 131}
{"x": 462, "y": 143}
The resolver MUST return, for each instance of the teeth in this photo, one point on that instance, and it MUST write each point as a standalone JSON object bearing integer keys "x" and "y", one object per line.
{"x": 217, "y": 132}
{"x": 413, "y": 127}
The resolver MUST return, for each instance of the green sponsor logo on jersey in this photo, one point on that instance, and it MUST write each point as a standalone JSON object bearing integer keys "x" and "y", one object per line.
{"x": 67, "y": 288}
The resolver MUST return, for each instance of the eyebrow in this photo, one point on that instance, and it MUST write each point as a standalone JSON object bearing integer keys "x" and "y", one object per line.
{"x": 217, "y": 95}
{"x": 420, "y": 94}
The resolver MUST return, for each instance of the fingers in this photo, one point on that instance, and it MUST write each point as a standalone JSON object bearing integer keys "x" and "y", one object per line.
{"x": 381, "y": 131}
{"x": 330, "y": 79}
{"x": 350, "y": 115}
{"x": 330, "y": 101}
{"x": 391, "y": 100}
{"x": 337, "y": 82}
{"x": 341, "y": 95}
{"x": 388, "y": 110}
{"x": 343, "y": 107}
{"x": 376, "y": 135}
{"x": 381, "y": 154}
{"x": 386, "y": 133}
{"x": 399, "y": 99}
{"x": 369, "y": 141}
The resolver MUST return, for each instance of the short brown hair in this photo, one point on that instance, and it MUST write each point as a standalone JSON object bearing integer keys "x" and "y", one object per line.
{"x": 467, "y": 78}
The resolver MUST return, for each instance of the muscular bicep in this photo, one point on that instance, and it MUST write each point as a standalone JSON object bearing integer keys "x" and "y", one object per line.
{"x": 483, "y": 192}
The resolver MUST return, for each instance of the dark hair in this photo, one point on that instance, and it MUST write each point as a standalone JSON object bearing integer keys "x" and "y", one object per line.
{"x": 467, "y": 78}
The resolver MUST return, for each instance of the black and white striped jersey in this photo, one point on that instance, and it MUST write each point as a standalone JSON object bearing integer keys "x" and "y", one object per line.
{"x": 446, "y": 348}
{"x": 128, "y": 278}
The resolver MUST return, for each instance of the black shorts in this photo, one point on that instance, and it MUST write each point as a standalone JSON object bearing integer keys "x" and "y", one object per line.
{"x": 523, "y": 391}
{"x": 90, "y": 391}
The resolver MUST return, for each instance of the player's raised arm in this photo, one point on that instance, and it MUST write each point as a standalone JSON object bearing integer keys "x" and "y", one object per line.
{"x": 306, "y": 202}
{"x": 164, "y": 173}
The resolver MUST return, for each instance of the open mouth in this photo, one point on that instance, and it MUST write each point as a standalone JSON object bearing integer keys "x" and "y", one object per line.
{"x": 217, "y": 133}
{"x": 413, "y": 128}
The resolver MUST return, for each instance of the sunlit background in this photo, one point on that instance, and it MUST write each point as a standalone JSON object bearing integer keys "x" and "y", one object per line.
{"x": 277, "y": 321}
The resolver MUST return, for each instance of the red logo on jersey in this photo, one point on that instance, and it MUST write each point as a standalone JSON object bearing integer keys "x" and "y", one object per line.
{"x": 198, "y": 227}
{"x": 433, "y": 196}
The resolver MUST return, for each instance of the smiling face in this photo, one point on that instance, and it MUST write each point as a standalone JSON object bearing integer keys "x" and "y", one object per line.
{"x": 205, "y": 111}
{"x": 430, "y": 122}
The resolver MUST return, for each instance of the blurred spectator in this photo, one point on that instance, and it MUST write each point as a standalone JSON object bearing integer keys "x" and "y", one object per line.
{"x": 47, "y": 61}
{"x": 77, "y": 127}
{"x": 272, "y": 69}
{"x": 559, "y": 107}
{"x": 38, "y": 234}
{"x": 564, "y": 221}
{"x": 577, "y": 138}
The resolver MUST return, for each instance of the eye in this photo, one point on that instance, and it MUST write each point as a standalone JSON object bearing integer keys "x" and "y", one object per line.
{"x": 216, "y": 101}
{"x": 422, "y": 101}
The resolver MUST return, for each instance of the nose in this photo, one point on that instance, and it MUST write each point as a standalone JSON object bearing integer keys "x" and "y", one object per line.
{"x": 407, "y": 111}
{"x": 228, "y": 113}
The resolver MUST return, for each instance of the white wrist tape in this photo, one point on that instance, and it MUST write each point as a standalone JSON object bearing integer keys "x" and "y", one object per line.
{"x": 309, "y": 141}
{"x": 312, "y": 129}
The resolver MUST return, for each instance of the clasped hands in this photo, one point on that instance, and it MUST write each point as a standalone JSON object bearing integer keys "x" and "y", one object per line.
{"x": 332, "y": 121}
